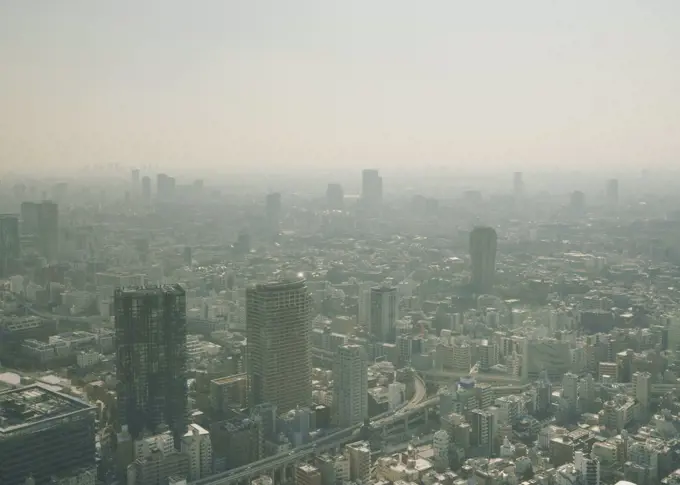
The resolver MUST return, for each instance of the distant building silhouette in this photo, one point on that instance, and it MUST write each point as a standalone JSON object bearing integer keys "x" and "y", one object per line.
{"x": 41, "y": 220}
{"x": 483, "y": 242}
{"x": 371, "y": 188}
{"x": 384, "y": 313}
{"x": 10, "y": 246}
{"x": 146, "y": 189}
{"x": 577, "y": 202}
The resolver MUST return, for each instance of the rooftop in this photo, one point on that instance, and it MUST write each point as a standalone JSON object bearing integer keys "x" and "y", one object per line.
{"x": 30, "y": 405}
{"x": 150, "y": 290}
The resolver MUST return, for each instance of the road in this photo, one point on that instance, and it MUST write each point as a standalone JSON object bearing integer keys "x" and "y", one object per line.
{"x": 302, "y": 453}
{"x": 486, "y": 377}
{"x": 419, "y": 394}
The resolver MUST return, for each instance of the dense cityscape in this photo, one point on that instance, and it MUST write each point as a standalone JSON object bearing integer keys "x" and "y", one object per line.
{"x": 519, "y": 329}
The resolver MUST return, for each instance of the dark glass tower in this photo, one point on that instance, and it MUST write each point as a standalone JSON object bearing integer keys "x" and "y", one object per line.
{"x": 10, "y": 249}
{"x": 41, "y": 220}
{"x": 151, "y": 359}
{"x": 483, "y": 241}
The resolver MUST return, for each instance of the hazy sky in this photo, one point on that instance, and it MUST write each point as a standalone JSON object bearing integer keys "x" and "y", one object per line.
{"x": 516, "y": 83}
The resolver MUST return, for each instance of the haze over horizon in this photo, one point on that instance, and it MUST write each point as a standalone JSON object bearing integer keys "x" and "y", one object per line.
{"x": 233, "y": 85}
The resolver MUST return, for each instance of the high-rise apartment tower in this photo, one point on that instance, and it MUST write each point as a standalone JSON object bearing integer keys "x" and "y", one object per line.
{"x": 350, "y": 386}
{"x": 41, "y": 220}
{"x": 10, "y": 246}
{"x": 483, "y": 242}
{"x": 384, "y": 313}
{"x": 278, "y": 354}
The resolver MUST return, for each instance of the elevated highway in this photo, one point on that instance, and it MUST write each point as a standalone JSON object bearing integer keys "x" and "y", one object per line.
{"x": 284, "y": 464}
{"x": 442, "y": 377}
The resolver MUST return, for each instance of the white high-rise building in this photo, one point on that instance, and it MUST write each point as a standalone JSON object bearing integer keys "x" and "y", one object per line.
{"x": 350, "y": 386}
{"x": 570, "y": 389}
{"x": 359, "y": 454}
{"x": 278, "y": 354}
{"x": 673, "y": 322}
{"x": 440, "y": 448}
{"x": 641, "y": 388}
{"x": 196, "y": 443}
{"x": 384, "y": 313}
{"x": 587, "y": 468}
{"x": 364, "y": 305}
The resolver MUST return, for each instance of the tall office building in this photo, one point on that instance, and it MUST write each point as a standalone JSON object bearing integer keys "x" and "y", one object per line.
{"x": 612, "y": 192}
{"x": 483, "y": 242}
{"x": 273, "y": 211}
{"x": 335, "y": 197}
{"x": 278, "y": 354}
{"x": 30, "y": 218}
{"x": 371, "y": 188}
{"x": 577, "y": 202}
{"x": 10, "y": 246}
{"x": 483, "y": 432}
{"x": 151, "y": 359}
{"x": 134, "y": 179}
{"x": 146, "y": 189}
{"x": 350, "y": 386}
{"x": 165, "y": 186}
{"x": 41, "y": 220}
{"x": 44, "y": 433}
{"x": 384, "y": 313}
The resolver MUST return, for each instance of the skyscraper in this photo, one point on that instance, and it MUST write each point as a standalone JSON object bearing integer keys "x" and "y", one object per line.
{"x": 483, "y": 242}
{"x": 134, "y": 178}
{"x": 371, "y": 188}
{"x": 41, "y": 220}
{"x": 151, "y": 359}
{"x": 350, "y": 386}
{"x": 278, "y": 354}
{"x": 384, "y": 313}
{"x": 10, "y": 247}
{"x": 642, "y": 388}
{"x": 30, "y": 218}
{"x": 165, "y": 186}
{"x": 146, "y": 189}
{"x": 577, "y": 202}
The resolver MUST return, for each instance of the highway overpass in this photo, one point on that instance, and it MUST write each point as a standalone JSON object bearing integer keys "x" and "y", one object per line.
{"x": 283, "y": 465}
